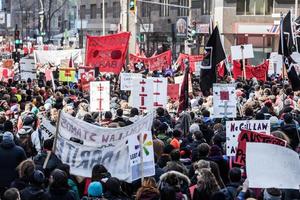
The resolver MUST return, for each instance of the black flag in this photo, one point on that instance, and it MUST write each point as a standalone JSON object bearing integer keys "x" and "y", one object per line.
{"x": 286, "y": 49}
{"x": 286, "y": 36}
{"x": 214, "y": 55}
{"x": 184, "y": 91}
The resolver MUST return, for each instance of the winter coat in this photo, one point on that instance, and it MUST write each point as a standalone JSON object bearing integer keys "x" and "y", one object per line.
{"x": 231, "y": 191}
{"x": 61, "y": 194}
{"x": 147, "y": 193}
{"x": 33, "y": 193}
{"x": 53, "y": 162}
{"x": 10, "y": 156}
{"x": 20, "y": 183}
{"x": 74, "y": 188}
{"x": 184, "y": 182}
{"x": 291, "y": 131}
{"x": 109, "y": 196}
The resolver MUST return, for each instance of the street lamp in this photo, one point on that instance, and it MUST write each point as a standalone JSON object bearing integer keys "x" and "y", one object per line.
{"x": 41, "y": 16}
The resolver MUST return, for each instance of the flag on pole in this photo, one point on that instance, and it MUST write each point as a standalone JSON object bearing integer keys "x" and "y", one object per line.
{"x": 184, "y": 92}
{"x": 214, "y": 55}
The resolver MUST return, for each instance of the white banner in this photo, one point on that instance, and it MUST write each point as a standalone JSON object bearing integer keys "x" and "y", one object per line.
{"x": 99, "y": 96}
{"x": 28, "y": 70}
{"x": 272, "y": 166}
{"x": 47, "y": 128}
{"x": 54, "y": 57}
{"x": 111, "y": 147}
{"x": 224, "y": 101}
{"x": 236, "y": 52}
{"x": 160, "y": 92}
{"x": 233, "y": 129}
{"x": 126, "y": 80}
{"x": 142, "y": 94}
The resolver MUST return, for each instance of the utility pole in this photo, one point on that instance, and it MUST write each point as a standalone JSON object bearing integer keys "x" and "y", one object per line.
{"x": 190, "y": 23}
{"x": 103, "y": 17}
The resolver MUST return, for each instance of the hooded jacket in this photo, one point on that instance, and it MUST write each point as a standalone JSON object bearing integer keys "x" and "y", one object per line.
{"x": 33, "y": 192}
{"x": 291, "y": 131}
{"x": 11, "y": 156}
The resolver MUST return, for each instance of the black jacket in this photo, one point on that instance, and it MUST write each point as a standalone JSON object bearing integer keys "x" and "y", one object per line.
{"x": 291, "y": 131}
{"x": 10, "y": 156}
{"x": 61, "y": 194}
{"x": 33, "y": 193}
{"x": 53, "y": 162}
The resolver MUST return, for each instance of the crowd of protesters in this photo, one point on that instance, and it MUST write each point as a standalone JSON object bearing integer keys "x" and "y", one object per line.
{"x": 189, "y": 147}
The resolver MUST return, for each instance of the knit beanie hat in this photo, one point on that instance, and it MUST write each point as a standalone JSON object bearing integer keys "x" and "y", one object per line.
{"x": 95, "y": 189}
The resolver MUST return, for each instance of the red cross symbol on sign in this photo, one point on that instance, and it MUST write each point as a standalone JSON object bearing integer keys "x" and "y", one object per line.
{"x": 143, "y": 95}
{"x": 224, "y": 95}
{"x": 100, "y": 89}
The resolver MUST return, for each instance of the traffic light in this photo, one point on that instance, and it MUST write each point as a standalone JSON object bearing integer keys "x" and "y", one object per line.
{"x": 132, "y": 5}
{"x": 191, "y": 35}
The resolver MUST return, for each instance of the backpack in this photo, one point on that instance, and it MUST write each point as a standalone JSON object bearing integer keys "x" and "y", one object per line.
{"x": 25, "y": 141}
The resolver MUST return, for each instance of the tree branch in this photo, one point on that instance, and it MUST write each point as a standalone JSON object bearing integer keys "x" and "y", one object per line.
{"x": 57, "y": 9}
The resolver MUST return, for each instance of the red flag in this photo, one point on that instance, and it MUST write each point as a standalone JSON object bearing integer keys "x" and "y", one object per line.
{"x": 71, "y": 62}
{"x": 158, "y": 62}
{"x": 259, "y": 72}
{"x": 107, "y": 53}
{"x": 193, "y": 61}
{"x": 184, "y": 92}
{"x": 173, "y": 92}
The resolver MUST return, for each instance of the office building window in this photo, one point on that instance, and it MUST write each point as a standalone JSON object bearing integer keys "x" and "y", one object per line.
{"x": 146, "y": 10}
{"x": 116, "y": 9}
{"x": 93, "y": 11}
{"x": 205, "y": 7}
{"x": 164, "y": 10}
{"x": 183, "y": 11}
{"x": 254, "y": 7}
{"x": 82, "y": 12}
{"x": 104, "y": 8}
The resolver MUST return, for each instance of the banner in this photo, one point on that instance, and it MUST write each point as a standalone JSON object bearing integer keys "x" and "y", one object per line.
{"x": 27, "y": 69}
{"x": 48, "y": 128}
{"x": 111, "y": 147}
{"x": 8, "y": 63}
{"x": 126, "y": 80}
{"x": 173, "y": 92}
{"x": 158, "y": 62}
{"x": 44, "y": 58}
{"x": 86, "y": 78}
{"x": 195, "y": 61}
{"x": 272, "y": 166}
{"x": 160, "y": 90}
{"x": 259, "y": 72}
{"x": 142, "y": 94}
{"x": 108, "y": 52}
{"x": 224, "y": 101}
{"x": 234, "y": 128}
{"x": 250, "y": 136}
{"x": 99, "y": 96}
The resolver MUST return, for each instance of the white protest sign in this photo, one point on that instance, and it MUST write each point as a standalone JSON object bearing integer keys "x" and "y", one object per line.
{"x": 272, "y": 166}
{"x": 275, "y": 64}
{"x": 233, "y": 129}
{"x": 160, "y": 92}
{"x": 135, "y": 154}
{"x": 107, "y": 146}
{"x": 99, "y": 96}
{"x": 142, "y": 94}
{"x": 224, "y": 100}
{"x": 27, "y": 69}
{"x": 236, "y": 52}
{"x": 126, "y": 80}
{"x": 47, "y": 128}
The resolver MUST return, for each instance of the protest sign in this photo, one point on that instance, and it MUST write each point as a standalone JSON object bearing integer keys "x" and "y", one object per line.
{"x": 173, "y": 92}
{"x": 8, "y": 63}
{"x": 44, "y": 58}
{"x": 6, "y": 74}
{"x": 106, "y": 146}
{"x": 251, "y": 136}
{"x": 158, "y": 62}
{"x": 272, "y": 166}
{"x": 179, "y": 79}
{"x": 126, "y": 80}
{"x": 48, "y": 128}
{"x": 142, "y": 94}
{"x": 27, "y": 69}
{"x": 107, "y": 53}
{"x": 224, "y": 100}
{"x": 234, "y": 128}
{"x": 160, "y": 87}
{"x": 236, "y": 52}
{"x": 136, "y": 144}
{"x": 86, "y": 78}
{"x": 99, "y": 96}
{"x": 194, "y": 61}
{"x": 275, "y": 66}
{"x": 67, "y": 75}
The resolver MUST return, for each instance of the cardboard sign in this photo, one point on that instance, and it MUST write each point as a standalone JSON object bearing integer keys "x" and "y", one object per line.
{"x": 108, "y": 52}
{"x": 99, "y": 96}
{"x": 160, "y": 90}
{"x": 224, "y": 101}
{"x": 234, "y": 128}
{"x": 251, "y": 136}
{"x": 158, "y": 62}
{"x": 142, "y": 94}
{"x": 236, "y": 52}
{"x": 272, "y": 166}
{"x": 173, "y": 92}
{"x": 67, "y": 75}
{"x": 126, "y": 80}
{"x": 111, "y": 147}
{"x": 275, "y": 66}
{"x": 86, "y": 78}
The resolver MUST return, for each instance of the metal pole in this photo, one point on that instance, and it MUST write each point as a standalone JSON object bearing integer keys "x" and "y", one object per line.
{"x": 103, "y": 17}
{"x": 296, "y": 8}
{"x": 282, "y": 47}
{"x": 190, "y": 23}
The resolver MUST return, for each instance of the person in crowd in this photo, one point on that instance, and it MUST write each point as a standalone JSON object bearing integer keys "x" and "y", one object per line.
{"x": 59, "y": 187}
{"x": 95, "y": 191}
{"x": 11, "y": 194}
{"x": 175, "y": 164}
{"x": 148, "y": 190}
{"x": 11, "y": 156}
{"x": 25, "y": 172}
{"x": 235, "y": 178}
{"x": 71, "y": 180}
{"x": 114, "y": 190}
